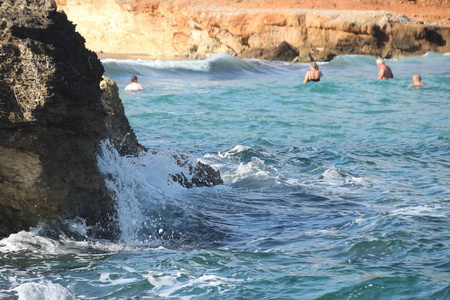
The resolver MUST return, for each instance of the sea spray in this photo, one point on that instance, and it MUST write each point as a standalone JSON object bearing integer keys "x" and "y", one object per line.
{"x": 44, "y": 290}
{"x": 139, "y": 184}
{"x": 152, "y": 209}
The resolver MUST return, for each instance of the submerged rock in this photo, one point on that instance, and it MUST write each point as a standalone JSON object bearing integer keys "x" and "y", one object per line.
{"x": 55, "y": 109}
{"x": 282, "y": 52}
{"x": 199, "y": 173}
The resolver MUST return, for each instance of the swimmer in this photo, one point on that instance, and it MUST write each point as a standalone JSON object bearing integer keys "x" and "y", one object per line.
{"x": 134, "y": 86}
{"x": 314, "y": 74}
{"x": 417, "y": 81}
{"x": 385, "y": 71}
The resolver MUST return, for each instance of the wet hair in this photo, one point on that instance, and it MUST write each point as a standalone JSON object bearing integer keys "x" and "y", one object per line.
{"x": 380, "y": 61}
{"x": 133, "y": 78}
{"x": 314, "y": 65}
{"x": 417, "y": 77}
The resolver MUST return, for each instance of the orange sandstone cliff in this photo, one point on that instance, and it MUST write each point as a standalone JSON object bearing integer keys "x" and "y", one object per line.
{"x": 183, "y": 28}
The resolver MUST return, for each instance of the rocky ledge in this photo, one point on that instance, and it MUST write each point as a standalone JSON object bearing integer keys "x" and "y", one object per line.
{"x": 55, "y": 109}
{"x": 251, "y": 28}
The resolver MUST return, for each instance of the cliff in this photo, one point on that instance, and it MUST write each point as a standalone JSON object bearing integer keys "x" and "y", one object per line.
{"x": 52, "y": 119}
{"x": 183, "y": 28}
{"x": 55, "y": 109}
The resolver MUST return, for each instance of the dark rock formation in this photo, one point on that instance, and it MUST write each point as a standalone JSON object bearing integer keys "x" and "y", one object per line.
{"x": 55, "y": 109}
{"x": 201, "y": 174}
{"x": 283, "y": 52}
{"x": 315, "y": 56}
{"x": 51, "y": 121}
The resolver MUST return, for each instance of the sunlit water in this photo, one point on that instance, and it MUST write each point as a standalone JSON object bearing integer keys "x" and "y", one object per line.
{"x": 338, "y": 189}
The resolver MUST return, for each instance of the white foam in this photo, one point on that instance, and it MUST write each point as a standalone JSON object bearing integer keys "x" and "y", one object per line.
{"x": 167, "y": 285}
{"x": 252, "y": 172}
{"x": 429, "y": 211}
{"x": 141, "y": 184}
{"x": 160, "y": 280}
{"x": 29, "y": 241}
{"x": 106, "y": 278}
{"x": 44, "y": 290}
{"x": 232, "y": 170}
{"x": 237, "y": 149}
{"x": 33, "y": 242}
{"x": 336, "y": 176}
{"x": 333, "y": 174}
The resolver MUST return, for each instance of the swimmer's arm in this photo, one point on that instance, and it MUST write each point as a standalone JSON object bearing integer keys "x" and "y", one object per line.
{"x": 306, "y": 77}
{"x": 381, "y": 73}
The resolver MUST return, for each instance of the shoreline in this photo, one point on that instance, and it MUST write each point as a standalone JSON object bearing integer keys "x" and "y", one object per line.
{"x": 143, "y": 56}
{"x": 136, "y": 56}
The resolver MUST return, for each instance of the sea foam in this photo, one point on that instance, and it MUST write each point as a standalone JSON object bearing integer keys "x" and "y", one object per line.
{"x": 44, "y": 290}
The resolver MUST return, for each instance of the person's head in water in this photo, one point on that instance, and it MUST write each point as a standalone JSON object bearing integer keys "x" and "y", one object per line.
{"x": 417, "y": 81}
{"x": 134, "y": 85}
{"x": 314, "y": 66}
{"x": 380, "y": 61}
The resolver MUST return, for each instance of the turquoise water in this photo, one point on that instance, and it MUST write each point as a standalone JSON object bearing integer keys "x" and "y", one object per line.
{"x": 338, "y": 189}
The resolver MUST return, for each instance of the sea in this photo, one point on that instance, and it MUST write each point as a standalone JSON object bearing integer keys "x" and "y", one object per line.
{"x": 338, "y": 189}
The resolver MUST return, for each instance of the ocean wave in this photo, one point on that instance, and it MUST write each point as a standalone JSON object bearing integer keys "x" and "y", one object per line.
{"x": 217, "y": 66}
{"x": 245, "y": 167}
{"x": 352, "y": 61}
{"x": 337, "y": 175}
{"x": 226, "y": 67}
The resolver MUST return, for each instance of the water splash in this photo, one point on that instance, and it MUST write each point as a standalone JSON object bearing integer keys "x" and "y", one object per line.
{"x": 153, "y": 210}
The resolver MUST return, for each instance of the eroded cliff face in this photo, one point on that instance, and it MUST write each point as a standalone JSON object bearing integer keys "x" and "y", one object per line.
{"x": 194, "y": 28}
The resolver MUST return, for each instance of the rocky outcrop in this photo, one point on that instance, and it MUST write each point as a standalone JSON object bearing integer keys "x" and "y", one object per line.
{"x": 55, "y": 109}
{"x": 51, "y": 121}
{"x": 197, "y": 28}
{"x": 284, "y": 52}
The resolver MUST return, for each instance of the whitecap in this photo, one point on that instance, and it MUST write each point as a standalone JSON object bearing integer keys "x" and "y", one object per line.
{"x": 236, "y": 149}
{"x": 106, "y": 278}
{"x": 44, "y": 290}
{"x": 428, "y": 211}
{"x": 29, "y": 241}
{"x": 167, "y": 285}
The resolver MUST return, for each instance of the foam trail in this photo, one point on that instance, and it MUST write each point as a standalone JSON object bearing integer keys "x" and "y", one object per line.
{"x": 243, "y": 166}
{"x": 44, "y": 290}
